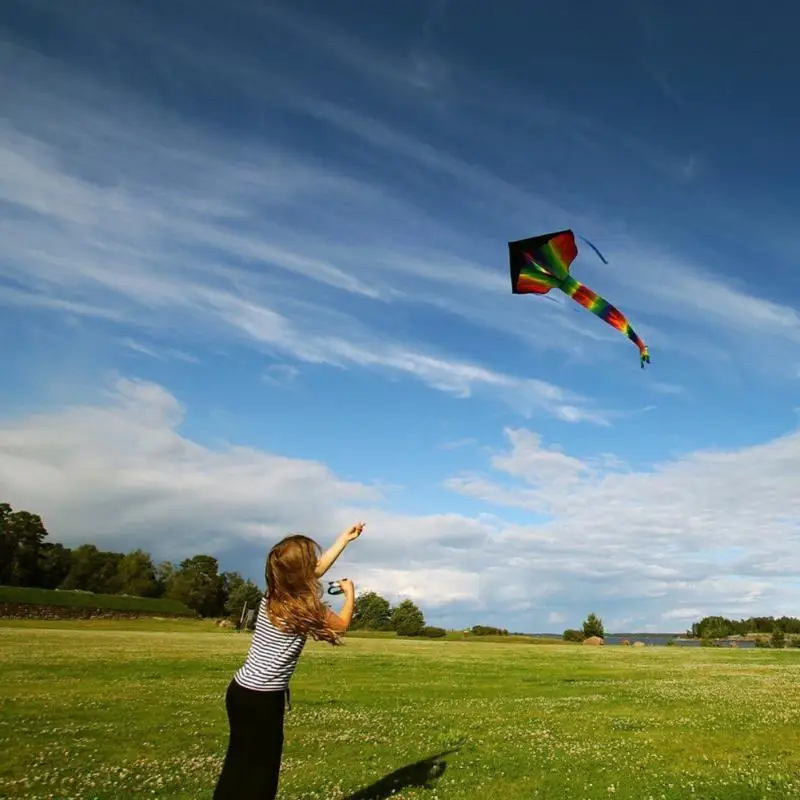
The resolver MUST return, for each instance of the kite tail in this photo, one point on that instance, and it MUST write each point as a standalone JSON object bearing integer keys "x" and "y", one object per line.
{"x": 602, "y": 308}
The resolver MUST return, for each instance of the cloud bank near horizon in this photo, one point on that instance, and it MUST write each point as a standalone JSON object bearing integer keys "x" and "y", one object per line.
{"x": 643, "y": 548}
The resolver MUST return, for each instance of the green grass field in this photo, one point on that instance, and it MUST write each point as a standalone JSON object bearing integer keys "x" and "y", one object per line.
{"x": 136, "y": 709}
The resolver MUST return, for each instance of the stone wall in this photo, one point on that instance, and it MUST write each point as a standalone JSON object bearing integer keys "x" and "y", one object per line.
{"x": 30, "y": 611}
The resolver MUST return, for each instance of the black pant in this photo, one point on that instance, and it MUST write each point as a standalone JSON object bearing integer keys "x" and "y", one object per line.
{"x": 253, "y": 761}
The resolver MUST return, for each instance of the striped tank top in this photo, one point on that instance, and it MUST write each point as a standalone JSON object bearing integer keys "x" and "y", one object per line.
{"x": 272, "y": 658}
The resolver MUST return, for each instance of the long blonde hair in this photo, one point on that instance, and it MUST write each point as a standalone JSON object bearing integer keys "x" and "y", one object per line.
{"x": 294, "y": 593}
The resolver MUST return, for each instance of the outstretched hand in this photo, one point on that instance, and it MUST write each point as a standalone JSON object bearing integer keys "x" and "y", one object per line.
{"x": 354, "y": 531}
{"x": 327, "y": 559}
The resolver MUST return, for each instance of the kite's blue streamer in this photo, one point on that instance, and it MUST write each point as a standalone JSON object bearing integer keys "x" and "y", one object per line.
{"x": 594, "y": 248}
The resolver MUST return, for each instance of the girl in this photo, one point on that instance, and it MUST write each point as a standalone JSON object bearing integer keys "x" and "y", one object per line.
{"x": 292, "y": 609}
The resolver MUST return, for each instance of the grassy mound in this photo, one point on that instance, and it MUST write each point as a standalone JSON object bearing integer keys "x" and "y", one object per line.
{"x": 21, "y": 595}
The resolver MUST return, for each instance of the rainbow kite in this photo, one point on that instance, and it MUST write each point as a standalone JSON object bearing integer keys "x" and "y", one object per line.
{"x": 541, "y": 263}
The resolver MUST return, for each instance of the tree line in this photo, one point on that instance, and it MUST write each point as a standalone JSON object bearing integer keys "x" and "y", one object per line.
{"x": 720, "y": 627}
{"x": 28, "y": 559}
{"x": 711, "y": 628}
{"x": 375, "y": 613}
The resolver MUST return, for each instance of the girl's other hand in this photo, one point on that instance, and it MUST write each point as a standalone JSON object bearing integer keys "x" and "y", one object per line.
{"x": 354, "y": 531}
{"x": 347, "y": 587}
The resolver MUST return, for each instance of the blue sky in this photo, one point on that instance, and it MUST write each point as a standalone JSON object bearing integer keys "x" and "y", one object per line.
{"x": 254, "y": 279}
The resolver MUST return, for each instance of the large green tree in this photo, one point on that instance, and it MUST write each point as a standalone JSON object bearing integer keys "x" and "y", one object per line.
{"x": 593, "y": 626}
{"x": 371, "y": 612}
{"x": 239, "y": 593}
{"x": 165, "y": 572}
{"x": 198, "y": 584}
{"x": 94, "y": 570}
{"x": 8, "y": 547}
{"x": 137, "y": 575}
{"x": 407, "y": 619}
{"x": 56, "y": 561}
{"x": 22, "y": 536}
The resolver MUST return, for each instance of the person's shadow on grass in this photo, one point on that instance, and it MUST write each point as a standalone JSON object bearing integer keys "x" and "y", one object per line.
{"x": 422, "y": 774}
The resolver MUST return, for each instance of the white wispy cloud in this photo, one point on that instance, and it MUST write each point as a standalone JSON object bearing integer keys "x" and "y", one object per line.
{"x": 667, "y": 388}
{"x": 97, "y": 229}
{"x": 656, "y": 48}
{"x": 128, "y": 196}
{"x": 159, "y": 352}
{"x": 281, "y": 374}
{"x": 665, "y": 283}
{"x": 410, "y": 70}
{"x": 456, "y": 444}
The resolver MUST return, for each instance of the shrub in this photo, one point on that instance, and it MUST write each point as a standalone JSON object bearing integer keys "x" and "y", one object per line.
{"x": 572, "y": 635}
{"x": 487, "y": 630}
{"x": 432, "y": 632}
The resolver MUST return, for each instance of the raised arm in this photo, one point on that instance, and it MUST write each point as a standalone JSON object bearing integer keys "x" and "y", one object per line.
{"x": 328, "y": 558}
